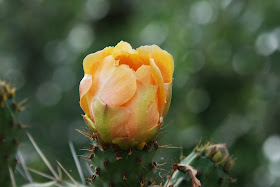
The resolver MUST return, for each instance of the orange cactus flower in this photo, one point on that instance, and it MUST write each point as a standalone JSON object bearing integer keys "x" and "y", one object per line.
{"x": 125, "y": 93}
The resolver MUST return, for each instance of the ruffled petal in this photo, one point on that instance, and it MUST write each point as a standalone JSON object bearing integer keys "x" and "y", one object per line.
{"x": 119, "y": 87}
{"x": 159, "y": 80}
{"x": 92, "y": 61}
{"x": 124, "y": 53}
{"x": 162, "y": 59}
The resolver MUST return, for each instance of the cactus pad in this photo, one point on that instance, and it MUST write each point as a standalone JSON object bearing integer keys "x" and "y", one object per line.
{"x": 10, "y": 131}
{"x": 113, "y": 166}
{"x": 208, "y": 165}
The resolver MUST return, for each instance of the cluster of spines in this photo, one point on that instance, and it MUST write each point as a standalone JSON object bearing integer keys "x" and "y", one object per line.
{"x": 215, "y": 159}
{"x": 10, "y": 129}
{"x": 219, "y": 155}
{"x": 113, "y": 166}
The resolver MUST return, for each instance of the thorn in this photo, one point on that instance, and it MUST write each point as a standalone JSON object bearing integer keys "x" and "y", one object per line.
{"x": 124, "y": 176}
{"x": 159, "y": 174}
{"x": 148, "y": 148}
{"x": 93, "y": 177}
{"x": 12, "y": 176}
{"x": 111, "y": 184}
{"x": 228, "y": 165}
{"x": 156, "y": 145}
{"x": 94, "y": 149}
{"x": 91, "y": 156}
{"x": 175, "y": 167}
{"x": 97, "y": 171}
{"x": 142, "y": 183}
{"x": 199, "y": 174}
{"x": 118, "y": 155}
{"x": 153, "y": 165}
{"x": 106, "y": 163}
{"x": 94, "y": 135}
{"x": 103, "y": 147}
{"x": 91, "y": 166}
{"x": 130, "y": 152}
{"x": 19, "y": 106}
{"x": 22, "y": 126}
{"x": 86, "y": 133}
{"x": 138, "y": 160}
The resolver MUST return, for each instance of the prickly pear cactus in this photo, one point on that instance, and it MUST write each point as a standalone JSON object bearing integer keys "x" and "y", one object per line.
{"x": 10, "y": 132}
{"x": 113, "y": 166}
{"x": 208, "y": 165}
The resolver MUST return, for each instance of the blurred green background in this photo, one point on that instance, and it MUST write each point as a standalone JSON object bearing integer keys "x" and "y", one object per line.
{"x": 226, "y": 81}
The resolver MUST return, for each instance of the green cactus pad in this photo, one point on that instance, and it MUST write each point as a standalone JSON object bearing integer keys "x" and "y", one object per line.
{"x": 208, "y": 165}
{"x": 10, "y": 131}
{"x": 113, "y": 166}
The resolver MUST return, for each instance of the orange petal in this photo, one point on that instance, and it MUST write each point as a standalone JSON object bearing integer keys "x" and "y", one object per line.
{"x": 85, "y": 85}
{"x": 145, "y": 112}
{"x": 110, "y": 120}
{"x": 105, "y": 68}
{"x": 159, "y": 80}
{"x": 119, "y": 87}
{"x": 91, "y": 61}
{"x": 132, "y": 60}
{"x": 162, "y": 59}
{"x": 143, "y": 74}
{"x": 123, "y": 46}
{"x": 168, "y": 93}
{"x": 126, "y": 55}
{"x": 84, "y": 104}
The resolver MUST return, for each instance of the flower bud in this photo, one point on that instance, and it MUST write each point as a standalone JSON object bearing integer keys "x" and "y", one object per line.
{"x": 125, "y": 93}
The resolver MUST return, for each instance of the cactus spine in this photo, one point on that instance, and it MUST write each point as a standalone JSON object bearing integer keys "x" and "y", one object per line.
{"x": 207, "y": 165}
{"x": 11, "y": 131}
